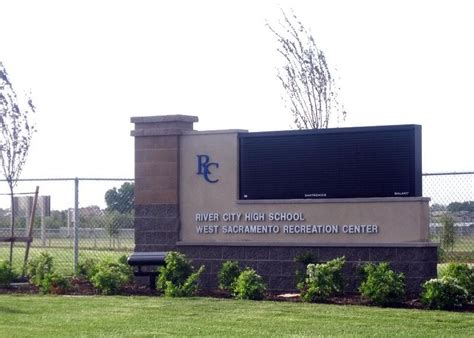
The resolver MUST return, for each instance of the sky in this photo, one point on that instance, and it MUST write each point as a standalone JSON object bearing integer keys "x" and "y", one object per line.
{"x": 91, "y": 65}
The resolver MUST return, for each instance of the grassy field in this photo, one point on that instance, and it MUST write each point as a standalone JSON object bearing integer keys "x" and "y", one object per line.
{"x": 151, "y": 316}
{"x": 157, "y": 316}
{"x": 63, "y": 257}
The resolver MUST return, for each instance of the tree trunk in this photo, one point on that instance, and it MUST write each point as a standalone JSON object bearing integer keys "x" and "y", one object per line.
{"x": 12, "y": 225}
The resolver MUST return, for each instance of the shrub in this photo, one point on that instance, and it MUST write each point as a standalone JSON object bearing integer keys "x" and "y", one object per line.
{"x": 463, "y": 274}
{"x": 41, "y": 272}
{"x": 322, "y": 280}
{"x": 443, "y": 294}
{"x": 109, "y": 276}
{"x": 187, "y": 289}
{"x": 381, "y": 285}
{"x": 228, "y": 274}
{"x": 39, "y": 267}
{"x": 127, "y": 269}
{"x": 7, "y": 274}
{"x": 302, "y": 260}
{"x": 87, "y": 267}
{"x": 249, "y": 285}
{"x": 178, "y": 278}
{"x": 54, "y": 283}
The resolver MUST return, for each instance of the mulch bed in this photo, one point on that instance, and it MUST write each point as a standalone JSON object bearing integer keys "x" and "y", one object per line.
{"x": 81, "y": 287}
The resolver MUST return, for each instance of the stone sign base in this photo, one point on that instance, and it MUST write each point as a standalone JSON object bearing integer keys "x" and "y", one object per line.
{"x": 276, "y": 264}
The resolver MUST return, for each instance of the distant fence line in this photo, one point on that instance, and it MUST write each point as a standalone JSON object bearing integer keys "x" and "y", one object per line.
{"x": 94, "y": 229}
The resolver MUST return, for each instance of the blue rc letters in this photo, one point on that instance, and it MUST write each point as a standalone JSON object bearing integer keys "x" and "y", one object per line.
{"x": 203, "y": 167}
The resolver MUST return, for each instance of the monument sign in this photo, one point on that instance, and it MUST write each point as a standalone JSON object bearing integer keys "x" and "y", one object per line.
{"x": 264, "y": 198}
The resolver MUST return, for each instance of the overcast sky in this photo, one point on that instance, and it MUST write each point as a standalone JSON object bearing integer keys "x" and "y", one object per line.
{"x": 91, "y": 65}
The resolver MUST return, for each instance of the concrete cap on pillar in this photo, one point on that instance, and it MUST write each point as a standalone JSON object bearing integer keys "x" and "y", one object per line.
{"x": 162, "y": 124}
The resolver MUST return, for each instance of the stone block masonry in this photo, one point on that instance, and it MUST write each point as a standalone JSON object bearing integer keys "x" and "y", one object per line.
{"x": 276, "y": 264}
{"x": 157, "y": 181}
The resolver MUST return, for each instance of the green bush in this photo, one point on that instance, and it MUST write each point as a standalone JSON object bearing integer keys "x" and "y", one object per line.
{"x": 178, "y": 278}
{"x": 188, "y": 288}
{"x": 39, "y": 267}
{"x": 7, "y": 274}
{"x": 54, "y": 283}
{"x": 127, "y": 269}
{"x": 381, "y": 285}
{"x": 443, "y": 294}
{"x": 249, "y": 285}
{"x": 302, "y": 260}
{"x": 87, "y": 267}
{"x": 322, "y": 280}
{"x": 109, "y": 276}
{"x": 228, "y": 274}
{"x": 463, "y": 274}
{"x": 41, "y": 272}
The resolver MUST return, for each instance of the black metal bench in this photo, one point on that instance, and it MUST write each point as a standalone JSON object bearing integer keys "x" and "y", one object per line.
{"x": 141, "y": 259}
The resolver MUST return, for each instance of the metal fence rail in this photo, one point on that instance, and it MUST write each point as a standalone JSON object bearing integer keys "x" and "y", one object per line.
{"x": 93, "y": 217}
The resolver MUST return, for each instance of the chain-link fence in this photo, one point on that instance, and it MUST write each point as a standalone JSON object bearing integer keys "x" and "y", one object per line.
{"x": 451, "y": 214}
{"x": 94, "y": 217}
{"x": 75, "y": 219}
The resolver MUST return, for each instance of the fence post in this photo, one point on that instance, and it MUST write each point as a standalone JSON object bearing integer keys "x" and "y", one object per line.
{"x": 76, "y": 223}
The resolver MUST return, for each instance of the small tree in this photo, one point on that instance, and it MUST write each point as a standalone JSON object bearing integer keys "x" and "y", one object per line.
{"x": 311, "y": 91}
{"x": 116, "y": 221}
{"x": 448, "y": 235}
{"x": 17, "y": 132}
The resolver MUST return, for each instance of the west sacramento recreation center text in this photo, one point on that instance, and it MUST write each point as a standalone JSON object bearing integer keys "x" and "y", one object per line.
{"x": 208, "y": 224}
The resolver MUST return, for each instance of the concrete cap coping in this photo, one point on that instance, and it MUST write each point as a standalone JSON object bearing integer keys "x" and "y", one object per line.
{"x": 164, "y": 118}
{"x": 156, "y": 132}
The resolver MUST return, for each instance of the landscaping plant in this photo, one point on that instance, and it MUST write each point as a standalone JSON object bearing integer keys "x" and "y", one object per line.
{"x": 249, "y": 285}
{"x": 381, "y": 285}
{"x": 443, "y": 294}
{"x": 41, "y": 273}
{"x": 178, "y": 278}
{"x": 463, "y": 274}
{"x": 109, "y": 276}
{"x": 7, "y": 274}
{"x": 54, "y": 283}
{"x": 228, "y": 274}
{"x": 322, "y": 280}
{"x": 87, "y": 267}
{"x": 302, "y": 260}
{"x": 39, "y": 267}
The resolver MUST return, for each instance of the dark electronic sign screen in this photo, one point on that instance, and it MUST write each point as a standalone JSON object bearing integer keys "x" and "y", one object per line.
{"x": 382, "y": 161}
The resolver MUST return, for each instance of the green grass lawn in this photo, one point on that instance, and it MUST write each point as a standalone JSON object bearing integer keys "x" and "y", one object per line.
{"x": 158, "y": 316}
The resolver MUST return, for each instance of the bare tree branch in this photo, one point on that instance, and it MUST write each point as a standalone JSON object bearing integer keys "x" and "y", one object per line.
{"x": 311, "y": 93}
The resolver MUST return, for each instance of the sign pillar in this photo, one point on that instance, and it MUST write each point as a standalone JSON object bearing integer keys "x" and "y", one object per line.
{"x": 157, "y": 140}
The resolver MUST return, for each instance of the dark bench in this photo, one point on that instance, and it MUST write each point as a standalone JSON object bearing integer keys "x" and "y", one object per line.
{"x": 141, "y": 259}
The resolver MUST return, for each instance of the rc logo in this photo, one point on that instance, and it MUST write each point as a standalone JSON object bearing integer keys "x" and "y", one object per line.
{"x": 204, "y": 164}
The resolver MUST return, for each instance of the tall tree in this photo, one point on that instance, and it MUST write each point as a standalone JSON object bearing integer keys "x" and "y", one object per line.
{"x": 122, "y": 199}
{"x": 16, "y": 134}
{"x": 311, "y": 92}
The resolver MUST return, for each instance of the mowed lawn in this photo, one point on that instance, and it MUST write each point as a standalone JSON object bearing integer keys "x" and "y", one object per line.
{"x": 49, "y": 316}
